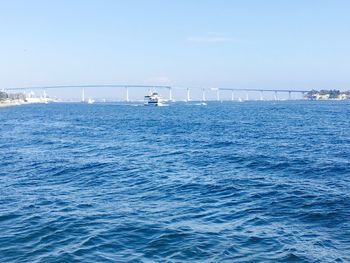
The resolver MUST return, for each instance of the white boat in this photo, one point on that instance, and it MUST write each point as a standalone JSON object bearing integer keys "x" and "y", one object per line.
{"x": 91, "y": 101}
{"x": 201, "y": 104}
{"x": 153, "y": 100}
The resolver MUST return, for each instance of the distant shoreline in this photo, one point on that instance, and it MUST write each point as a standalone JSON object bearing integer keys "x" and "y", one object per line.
{"x": 13, "y": 103}
{"x": 9, "y": 104}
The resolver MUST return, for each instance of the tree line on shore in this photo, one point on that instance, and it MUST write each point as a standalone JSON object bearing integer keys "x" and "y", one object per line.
{"x": 11, "y": 96}
{"x": 328, "y": 94}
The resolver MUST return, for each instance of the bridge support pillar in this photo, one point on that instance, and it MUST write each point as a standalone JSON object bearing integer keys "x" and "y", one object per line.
{"x": 218, "y": 95}
{"x": 289, "y": 95}
{"x": 261, "y": 95}
{"x": 276, "y": 97}
{"x": 232, "y": 95}
{"x": 170, "y": 94}
{"x": 188, "y": 95}
{"x": 126, "y": 94}
{"x": 203, "y": 95}
{"x": 246, "y": 95}
{"x": 83, "y": 95}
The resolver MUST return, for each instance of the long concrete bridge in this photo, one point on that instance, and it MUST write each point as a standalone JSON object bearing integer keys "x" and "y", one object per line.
{"x": 169, "y": 88}
{"x": 83, "y": 87}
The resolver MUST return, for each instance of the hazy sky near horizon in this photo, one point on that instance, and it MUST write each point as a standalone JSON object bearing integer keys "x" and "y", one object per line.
{"x": 248, "y": 43}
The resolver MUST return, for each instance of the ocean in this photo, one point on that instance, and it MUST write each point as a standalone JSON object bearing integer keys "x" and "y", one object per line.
{"x": 227, "y": 182}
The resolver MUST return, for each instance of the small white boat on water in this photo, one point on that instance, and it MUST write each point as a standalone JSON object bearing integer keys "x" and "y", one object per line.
{"x": 201, "y": 104}
{"x": 91, "y": 101}
{"x": 153, "y": 100}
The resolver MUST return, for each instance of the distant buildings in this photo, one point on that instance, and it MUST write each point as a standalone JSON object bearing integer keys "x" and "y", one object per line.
{"x": 12, "y": 99}
{"x": 328, "y": 95}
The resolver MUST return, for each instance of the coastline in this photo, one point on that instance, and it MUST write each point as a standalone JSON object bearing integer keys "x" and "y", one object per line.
{"x": 9, "y": 104}
{"x": 12, "y": 103}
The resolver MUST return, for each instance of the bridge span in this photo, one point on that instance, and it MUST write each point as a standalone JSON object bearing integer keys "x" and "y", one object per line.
{"x": 170, "y": 89}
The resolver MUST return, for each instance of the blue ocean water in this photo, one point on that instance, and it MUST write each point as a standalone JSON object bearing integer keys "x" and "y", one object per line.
{"x": 227, "y": 182}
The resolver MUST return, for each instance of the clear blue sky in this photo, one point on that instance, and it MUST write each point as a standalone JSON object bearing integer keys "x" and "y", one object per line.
{"x": 248, "y": 43}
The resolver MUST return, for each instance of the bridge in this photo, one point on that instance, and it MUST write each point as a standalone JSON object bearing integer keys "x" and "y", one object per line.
{"x": 169, "y": 88}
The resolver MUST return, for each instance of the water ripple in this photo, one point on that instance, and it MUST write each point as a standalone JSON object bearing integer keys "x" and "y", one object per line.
{"x": 230, "y": 182}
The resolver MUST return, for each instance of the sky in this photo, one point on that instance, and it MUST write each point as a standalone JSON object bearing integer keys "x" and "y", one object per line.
{"x": 299, "y": 44}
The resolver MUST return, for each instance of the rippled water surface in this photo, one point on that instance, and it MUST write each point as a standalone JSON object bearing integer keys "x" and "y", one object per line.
{"x": 227, "y": 182}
